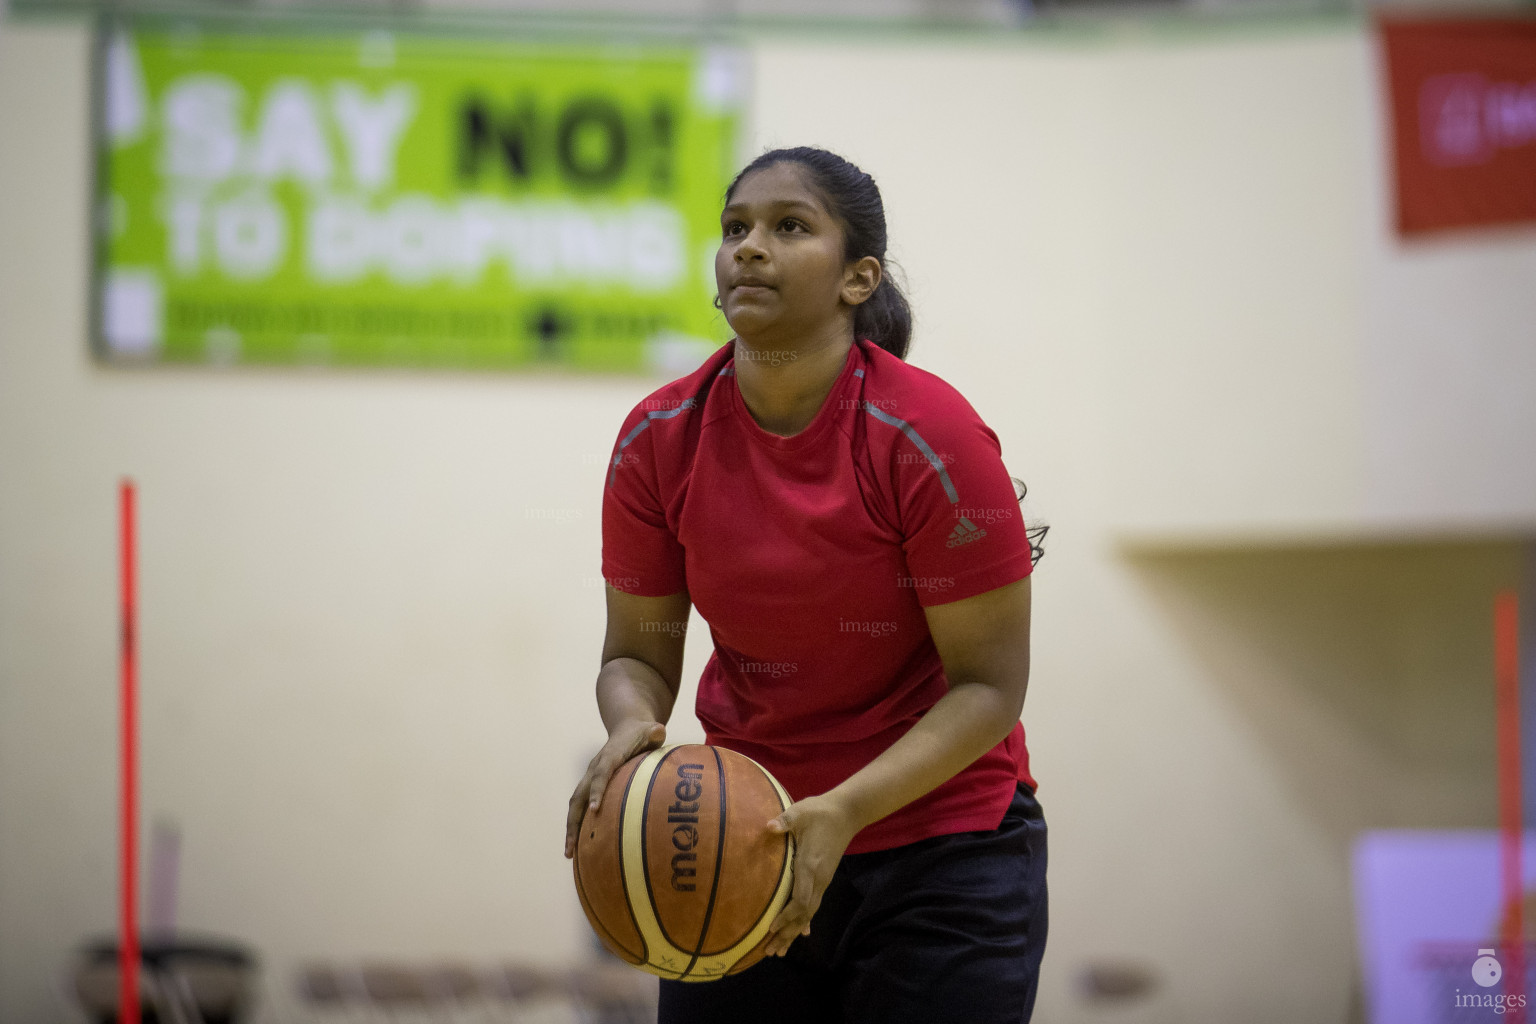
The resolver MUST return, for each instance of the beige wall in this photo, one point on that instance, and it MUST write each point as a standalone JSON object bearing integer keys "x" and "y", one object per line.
{"x": 1156, "y": 265}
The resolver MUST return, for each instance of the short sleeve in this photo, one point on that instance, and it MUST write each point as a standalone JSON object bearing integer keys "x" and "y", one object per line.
{"x": 641, "y": 553}
{"x": 963, "y": 531}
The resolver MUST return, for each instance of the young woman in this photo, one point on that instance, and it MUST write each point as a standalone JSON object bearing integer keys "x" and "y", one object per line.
{"x": 844, "y": 523}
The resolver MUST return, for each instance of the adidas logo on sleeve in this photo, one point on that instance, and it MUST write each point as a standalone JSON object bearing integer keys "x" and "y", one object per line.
{"x": 964, "y": 533}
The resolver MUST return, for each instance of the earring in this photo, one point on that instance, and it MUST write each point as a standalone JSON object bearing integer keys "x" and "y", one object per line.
{"x": 717, "y": 303}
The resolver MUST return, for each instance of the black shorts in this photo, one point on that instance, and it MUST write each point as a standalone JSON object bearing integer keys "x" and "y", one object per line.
{"x": 944, "y": 929}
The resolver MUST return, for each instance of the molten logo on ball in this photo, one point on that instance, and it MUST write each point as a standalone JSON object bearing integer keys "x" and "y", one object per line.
{"x": 685, "y": 815}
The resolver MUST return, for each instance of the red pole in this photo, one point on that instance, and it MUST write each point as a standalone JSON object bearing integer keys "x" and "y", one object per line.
{"x": 128, "y": 938}
{"x": 1506, "y": 670}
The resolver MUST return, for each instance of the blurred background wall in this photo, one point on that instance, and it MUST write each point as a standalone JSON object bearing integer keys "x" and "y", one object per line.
{"x": 1285, "y": 459}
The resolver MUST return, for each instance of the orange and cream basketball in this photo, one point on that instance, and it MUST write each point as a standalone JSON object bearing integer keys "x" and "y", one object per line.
{"x": 677, "y": 870}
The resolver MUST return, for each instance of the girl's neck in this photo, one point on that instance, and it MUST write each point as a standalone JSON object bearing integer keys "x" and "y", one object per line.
{"x": 783, "y": 388}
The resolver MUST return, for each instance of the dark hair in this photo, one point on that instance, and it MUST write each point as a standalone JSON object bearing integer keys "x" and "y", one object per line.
{"x": 1034, "y": 532}
{"x": 885, "y": 318}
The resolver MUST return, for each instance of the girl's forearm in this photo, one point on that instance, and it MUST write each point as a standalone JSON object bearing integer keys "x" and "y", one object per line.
{"x": 630, "y": 690}
{"x": 968, "y": 721}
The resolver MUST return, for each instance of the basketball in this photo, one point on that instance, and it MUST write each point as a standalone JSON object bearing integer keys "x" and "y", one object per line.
{"x": 676, "y": 870}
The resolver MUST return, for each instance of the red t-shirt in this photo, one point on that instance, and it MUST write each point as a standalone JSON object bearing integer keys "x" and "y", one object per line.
{"x": 811, "y": 558}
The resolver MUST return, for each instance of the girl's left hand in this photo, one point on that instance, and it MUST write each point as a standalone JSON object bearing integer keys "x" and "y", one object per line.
{"x": 822, "y": 829}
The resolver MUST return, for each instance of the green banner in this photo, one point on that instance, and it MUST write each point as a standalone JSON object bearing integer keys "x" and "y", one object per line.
{"x": 380, "y": 199}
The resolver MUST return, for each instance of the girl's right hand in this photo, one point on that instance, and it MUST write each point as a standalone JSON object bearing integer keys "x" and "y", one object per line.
{"x": 627, "y": 740}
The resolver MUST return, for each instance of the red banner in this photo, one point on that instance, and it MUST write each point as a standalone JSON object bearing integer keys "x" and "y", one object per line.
{"x": 1463, "y": 96}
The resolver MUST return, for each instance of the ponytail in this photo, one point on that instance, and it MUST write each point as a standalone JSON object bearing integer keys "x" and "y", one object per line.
{"x": 885, "y": 318}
